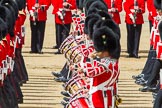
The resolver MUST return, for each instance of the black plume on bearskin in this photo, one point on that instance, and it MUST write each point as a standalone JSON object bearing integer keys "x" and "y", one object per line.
{"x": 104, "y": 39}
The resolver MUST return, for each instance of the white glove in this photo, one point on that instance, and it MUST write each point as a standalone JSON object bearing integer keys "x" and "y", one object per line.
{"x": 31, "y": 12}
{"x": 109, "y": 10}
{"x": 113, "y": 10}
{"x": 67, "y": 5}
{"x": 132, "y": 10}
{"x": 132, "y": 18}
{"x": 60, "y": 15}
{"x": 151, "y": 13}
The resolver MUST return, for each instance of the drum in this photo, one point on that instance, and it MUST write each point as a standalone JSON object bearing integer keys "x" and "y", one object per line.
{"x": 69, "y": 42}
{"x": 76, "y": 54}
{"x": 66, "y": 42}
{"x": 79, "y": 102}
{"x": 68, "y": 53}
{"x": 68, "y": 45}
{"x": 75, "y": 84}
{"x": 73, "y": 54}
{"x": 67, "y": 85}
{"x": 77, "y": 57}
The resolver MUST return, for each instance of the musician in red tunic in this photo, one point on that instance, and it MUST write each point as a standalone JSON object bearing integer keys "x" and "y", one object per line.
{"x": 101, "y": 69}
{"x": 114, "y": 8}
{"x": 63, "y": 19}
{"x": 38, "y": 16}
{"x": 134, "y": 19}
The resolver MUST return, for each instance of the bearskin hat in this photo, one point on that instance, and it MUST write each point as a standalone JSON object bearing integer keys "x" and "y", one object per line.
{"x": 98, "y": 24}
{"x": 115, "y": 28}
{"x": 104, "y": 39}
{"x": 88, "y": 3}
{"x": 3, "y": 12}
{"x": 111, "y": 24}
{"x": 13, "y": 4}
{"x": 3, "y": 29}
{"x": 100, "y": 6}
{"x": 89, "y": 17}
{"x": 160, "y": 29}
{"x": 157, "y": 4}
{"x": 93, "y": 24}
{"x": 92, "y": 11}
{"x": 10, "y": 19}
{"x": 79, "y": 4}
{"x": 21, "y": 4}
{"x": 104, "y": 15}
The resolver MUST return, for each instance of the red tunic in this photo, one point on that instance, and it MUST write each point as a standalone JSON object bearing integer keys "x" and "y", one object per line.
{"x": 58, "y": 4}
{"x": 128, "y": 5}
{"x": 22, "y": 21}
{"x": 42, "y": 14}
{"x": 152, "y": 10}
{"x": 117, "y": 6}
{"x": 100, "y": 72}
{"x": 154, "y": 34}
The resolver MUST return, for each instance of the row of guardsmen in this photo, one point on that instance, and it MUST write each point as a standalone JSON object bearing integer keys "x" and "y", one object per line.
{"x": 13, "y": 72}
{"x": 151, "y": 76}
{"x": 92, "y": 50}
{"x": 134, "y": 10}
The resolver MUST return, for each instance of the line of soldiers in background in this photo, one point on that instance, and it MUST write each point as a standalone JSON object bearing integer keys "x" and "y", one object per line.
{"x": 38, "y": 16}
{"x": 134, "y": 10}
{"x": 150, "y": 77}
{"x": 13, "y": 72}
